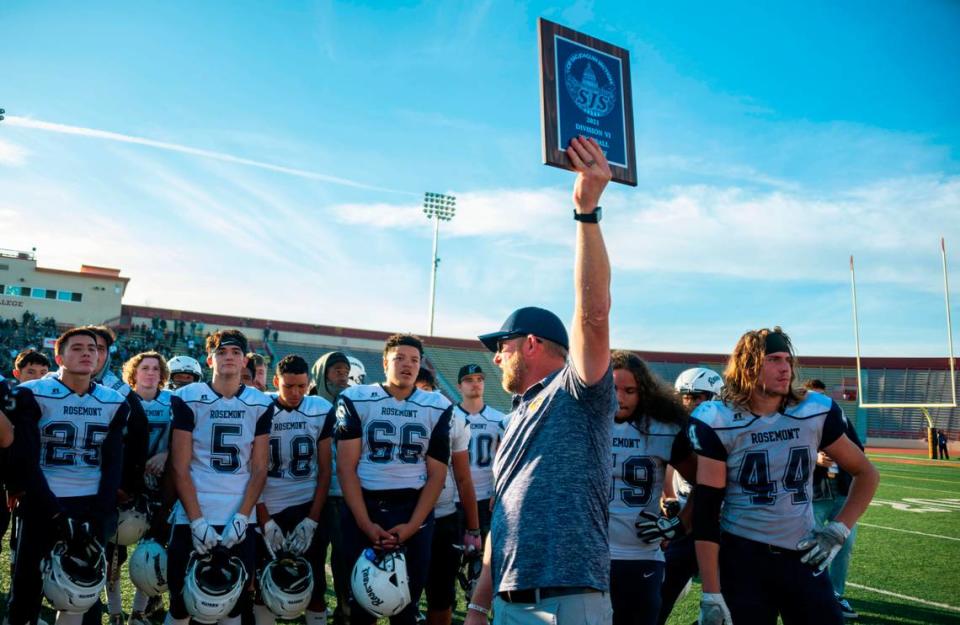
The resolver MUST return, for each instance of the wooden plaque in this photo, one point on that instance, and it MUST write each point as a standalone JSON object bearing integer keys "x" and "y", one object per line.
{"x": 585, "y": 90}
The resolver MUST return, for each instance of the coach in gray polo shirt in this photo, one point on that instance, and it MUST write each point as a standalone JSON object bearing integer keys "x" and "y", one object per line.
{"x": 547, "y": 556}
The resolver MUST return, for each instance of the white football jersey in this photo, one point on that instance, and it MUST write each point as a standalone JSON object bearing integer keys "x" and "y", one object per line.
{"x": 292, "y": 472}
{"x": 486, "y": 430}
{"x": 397, "y": 434}
{"x": 641, "y": 453}
{"x": 72, "y": 431}
{"x": 459, "y": 441}
{"x": 159, "y": 417}
{"x": 770, "y": 463}
{"x": 223, "y": 432}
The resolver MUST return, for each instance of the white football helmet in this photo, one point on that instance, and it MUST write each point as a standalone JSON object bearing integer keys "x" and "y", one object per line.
{"x": 699, "y": 380}
{"x": 358, "y": 373}
{"x": 74, "y": 574}
{"x": 380, "y": 583}
{"x": 286, "y": 585}
{"x": 185, "y": 364}
{"x": 213, "y": 585}
{"x": 133, "y": 521}
{"x": 148, "y": 568}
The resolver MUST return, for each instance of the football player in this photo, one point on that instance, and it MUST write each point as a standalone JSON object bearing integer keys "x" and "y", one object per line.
{"x": 255, "y": 374}
{"x": 147, "y": 374}
{"x": 449, "y": 540}
{"x": 137, "y": 437}
{"x": 67, "y": 451}
{"x": 298, "y": 479}
{"x": 694, "y": 386}
{"x": 761, "y": 555}
{"x": 219, "y": 452}
{"x": 184, "y": 370}
{"x": 393, "y": 446}
{"x": 329, "y": 376}
{"x": 486, "y": 428}
{"x": 30, "y": 365}
{"x": 648, "y": 434}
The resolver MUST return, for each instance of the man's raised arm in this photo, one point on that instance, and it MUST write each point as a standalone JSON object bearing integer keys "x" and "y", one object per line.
{"x": 590, "y": 330}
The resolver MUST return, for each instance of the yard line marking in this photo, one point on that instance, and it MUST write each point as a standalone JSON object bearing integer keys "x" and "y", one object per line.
{"x": 897, "y": 529}
{"x": 880, "y": 591}
{"x": 923, "y": 479}
{"x": 932, "y": 490}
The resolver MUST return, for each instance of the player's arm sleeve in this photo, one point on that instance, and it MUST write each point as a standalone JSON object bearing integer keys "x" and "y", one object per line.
{"x": 459, "y": 433}
{"x": 115, "y": 462}
{"x": 834, "y": 426}
{"x": 23, "y": 473}
{"x": 439, "y": 446}
{"x": 183, "y": 417}
{"x": 264, "y": 421}
{"x": 136, "y": 446}
{"x": 326, "y": 430}
{"x": 705, "y": 441}
{"x": 347, "y": 424}
{"x": 681, "y": 448}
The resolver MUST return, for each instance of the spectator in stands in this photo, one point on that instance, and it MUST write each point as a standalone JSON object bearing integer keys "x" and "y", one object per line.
{"x": 328, "y": 377}
{"x": 426, "y": 381}
{"x": 942, "y": 444}
{"x": 831, "y": 485}
{"x": 30, "y": 365}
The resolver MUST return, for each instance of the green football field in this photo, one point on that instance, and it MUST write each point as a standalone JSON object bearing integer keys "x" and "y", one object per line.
{"x": 906, "y": 562}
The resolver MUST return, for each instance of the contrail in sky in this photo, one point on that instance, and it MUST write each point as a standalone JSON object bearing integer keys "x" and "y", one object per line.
{"x": 25, "y": 122}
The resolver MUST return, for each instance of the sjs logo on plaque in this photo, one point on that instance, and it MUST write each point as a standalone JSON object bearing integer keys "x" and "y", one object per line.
{"x": 594, "y": 95}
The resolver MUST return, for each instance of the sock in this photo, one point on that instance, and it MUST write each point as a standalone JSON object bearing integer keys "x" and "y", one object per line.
{"x": 229, "y": 620}
{"x": 263, "y": 615}
{"x": 69, "y": 618}
{"x": 140, "y": 600}
{"x": 169, "y": 620}
{"x": 114, "y": 598}
{"x": 315, "y": 618}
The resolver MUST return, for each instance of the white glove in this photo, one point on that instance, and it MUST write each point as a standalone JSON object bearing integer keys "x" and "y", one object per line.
{"x": 302, "y": 536}
{"x": 713, "y": 610}
{"x": 235, "y": 530}
{"x": 273, "y": 536}
{"x": 205, "y": 537}
{"x": 654, "y": 529}
{"x": 822, "y": 545}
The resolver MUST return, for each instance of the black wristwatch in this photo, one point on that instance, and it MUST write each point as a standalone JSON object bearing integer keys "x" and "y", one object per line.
{"x": 589, "y": 218}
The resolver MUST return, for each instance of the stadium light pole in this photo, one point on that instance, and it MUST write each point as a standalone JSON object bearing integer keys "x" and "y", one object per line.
{"x": 438, "y": 207}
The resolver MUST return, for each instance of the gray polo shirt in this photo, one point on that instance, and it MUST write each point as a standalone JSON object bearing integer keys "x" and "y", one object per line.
{"x": 552, "y": 485}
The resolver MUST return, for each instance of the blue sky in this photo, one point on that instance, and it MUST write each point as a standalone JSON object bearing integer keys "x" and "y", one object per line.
{"x": 269, "y": 159}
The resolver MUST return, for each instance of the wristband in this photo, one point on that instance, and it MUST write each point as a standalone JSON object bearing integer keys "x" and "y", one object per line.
{"x": 475, "y": 532}
{"x": 479, "y": 608}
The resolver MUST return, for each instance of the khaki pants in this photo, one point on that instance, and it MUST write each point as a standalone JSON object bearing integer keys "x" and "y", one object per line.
{"x": 585, "y": 609}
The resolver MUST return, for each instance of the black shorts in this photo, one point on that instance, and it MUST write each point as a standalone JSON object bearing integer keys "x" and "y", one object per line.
{"x": 759, "y": 581}
{"x": 387, "y": 509}
{"x": 635, "y": 591}
{"x": 444, "y": 562}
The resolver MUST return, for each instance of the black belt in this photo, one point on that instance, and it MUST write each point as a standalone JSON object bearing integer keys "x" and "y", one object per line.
{"x": 729, "y": 538}
{"x": 536, "y": 595}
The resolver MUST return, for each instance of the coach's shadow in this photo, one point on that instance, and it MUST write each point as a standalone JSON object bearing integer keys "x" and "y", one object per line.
{"x": 880, "y": 612}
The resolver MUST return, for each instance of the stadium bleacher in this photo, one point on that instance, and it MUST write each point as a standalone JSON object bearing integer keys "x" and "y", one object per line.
{"x": 912, "y": 380}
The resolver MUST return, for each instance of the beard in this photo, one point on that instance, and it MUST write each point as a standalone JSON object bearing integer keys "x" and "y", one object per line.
{"x": 513, "y": 374}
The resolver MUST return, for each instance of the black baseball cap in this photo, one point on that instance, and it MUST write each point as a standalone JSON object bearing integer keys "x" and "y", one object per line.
{"x": 466, "y": 370}
{"x": 530, "y": 320}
